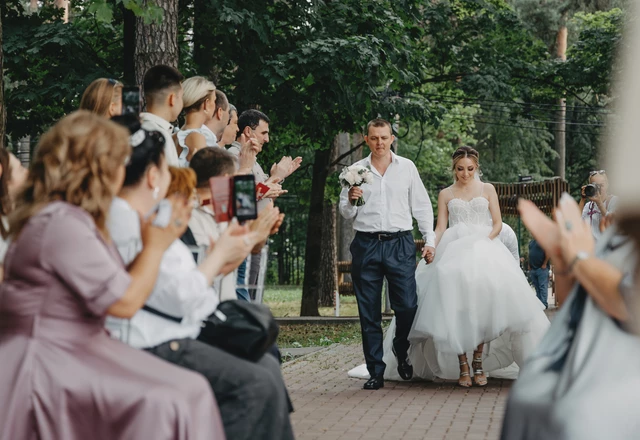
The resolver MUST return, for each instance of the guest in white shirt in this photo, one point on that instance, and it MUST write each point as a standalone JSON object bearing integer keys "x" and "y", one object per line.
{"x": 215, "y": 162}
{"x": 220, "y": 119}
{"x": 251, "y": 396}
{"x": 596, "y": 208}
{"x": 384, "y": 246}
{"x": 199, "y": 107}
{"x": 163, "y": 95}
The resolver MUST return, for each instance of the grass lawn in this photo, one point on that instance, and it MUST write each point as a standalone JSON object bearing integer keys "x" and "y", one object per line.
{"x": 285, "y": 301}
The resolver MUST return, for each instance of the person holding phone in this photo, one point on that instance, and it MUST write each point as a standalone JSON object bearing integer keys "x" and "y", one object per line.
{"x": 63, "y": 377}
{"x": 252, "y": 396}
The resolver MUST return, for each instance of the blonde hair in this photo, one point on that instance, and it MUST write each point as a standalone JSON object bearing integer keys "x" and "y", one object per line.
{"x": 462, "y": 153}
{"x": 100, "y": 94}
{"x": 197, "y": 90}
{"x": 77, "y": 162}
{"x": 183, "y": 181}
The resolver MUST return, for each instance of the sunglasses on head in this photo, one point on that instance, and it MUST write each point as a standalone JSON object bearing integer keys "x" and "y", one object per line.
{"x": 593, "y": 173}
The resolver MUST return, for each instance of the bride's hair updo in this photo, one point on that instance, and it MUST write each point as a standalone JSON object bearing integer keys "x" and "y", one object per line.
{"x": 465, "y": 152}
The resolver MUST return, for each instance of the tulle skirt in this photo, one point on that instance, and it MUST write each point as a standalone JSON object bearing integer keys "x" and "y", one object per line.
{"x": 474, "y": 292}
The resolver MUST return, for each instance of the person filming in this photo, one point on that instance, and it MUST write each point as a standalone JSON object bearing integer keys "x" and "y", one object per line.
{"x": 596, "y": 202}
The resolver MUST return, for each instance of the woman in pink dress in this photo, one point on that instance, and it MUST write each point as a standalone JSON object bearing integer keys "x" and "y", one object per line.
{"x": 62, "y": 376}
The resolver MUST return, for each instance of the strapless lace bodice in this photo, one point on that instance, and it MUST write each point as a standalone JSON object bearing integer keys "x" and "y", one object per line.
{"x": 471, "y": 212}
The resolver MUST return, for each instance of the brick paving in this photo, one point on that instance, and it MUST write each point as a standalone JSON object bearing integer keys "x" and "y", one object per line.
{"x": 330, "y": 406}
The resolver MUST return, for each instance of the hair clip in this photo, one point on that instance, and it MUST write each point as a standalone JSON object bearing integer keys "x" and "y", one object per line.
{"x": 137, "y": 138}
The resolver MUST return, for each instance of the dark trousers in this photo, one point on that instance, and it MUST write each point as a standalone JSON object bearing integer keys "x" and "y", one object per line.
{"x": 252, "y": 397}
{"x": 372, "y": 261}
{"x": 540, "y": 280}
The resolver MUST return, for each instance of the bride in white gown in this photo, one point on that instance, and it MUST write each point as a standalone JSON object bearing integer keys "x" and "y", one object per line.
{"x": 473, "y": 297}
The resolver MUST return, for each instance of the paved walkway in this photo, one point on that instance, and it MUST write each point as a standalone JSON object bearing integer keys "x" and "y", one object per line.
{"x": 330, "y": 406}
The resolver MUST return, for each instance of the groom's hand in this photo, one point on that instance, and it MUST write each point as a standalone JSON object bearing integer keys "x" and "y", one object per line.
{"x": 428, "y": 253}
{"x": 355, "y": 193}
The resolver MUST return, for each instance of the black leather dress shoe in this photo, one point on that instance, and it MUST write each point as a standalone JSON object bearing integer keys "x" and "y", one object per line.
{"x": 375, "y": 383}
{"x": 405, "y": 369}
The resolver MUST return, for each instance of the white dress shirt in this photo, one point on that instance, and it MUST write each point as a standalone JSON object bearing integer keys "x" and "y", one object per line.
{"x": 391, "y": 200}
{"x": 156, "y": 123}
{"x": 181, "y": 290}
{"x": 592, "y": 215}
{"x": 204, "y": 227}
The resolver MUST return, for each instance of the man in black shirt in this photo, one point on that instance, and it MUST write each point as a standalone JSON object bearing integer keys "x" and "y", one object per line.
{"x": 539, "y": 271}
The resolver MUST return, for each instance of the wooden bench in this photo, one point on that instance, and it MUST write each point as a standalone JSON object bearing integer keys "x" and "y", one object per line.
{"x": 344, "y": 268}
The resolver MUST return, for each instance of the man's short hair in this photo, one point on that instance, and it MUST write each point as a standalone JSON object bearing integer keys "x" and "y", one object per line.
{"x": 159, "y": 81}
{"x": 251, "y": 118}
{"x": 221, "y": 100}
{"x": 211, "y": 162}
{"x": 379, "y": 122}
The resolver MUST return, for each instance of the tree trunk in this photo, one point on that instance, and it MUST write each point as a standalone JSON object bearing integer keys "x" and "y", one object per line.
{"x": 129, "y": 49}
{"x": 157, "y": 43}
{"x": 329, "y": 284}
{"x": 312, "y": 284}
{"x": 346, "y": 234}
{"x": 3, "y": 113}
{"x": 561, "y": 114}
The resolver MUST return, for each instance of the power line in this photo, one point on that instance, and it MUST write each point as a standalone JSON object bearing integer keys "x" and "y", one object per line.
{"x": 445, "y": 98}
{"x": 584, "y": 124}
{"x": 471, "y": 118}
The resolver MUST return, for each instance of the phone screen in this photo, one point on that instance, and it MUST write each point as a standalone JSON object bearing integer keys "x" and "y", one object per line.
{"x": 131, "y": 100}
{"x": 244, "y": 197}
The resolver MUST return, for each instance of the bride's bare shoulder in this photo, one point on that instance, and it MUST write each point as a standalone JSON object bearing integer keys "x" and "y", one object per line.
{"x": 445, "y": 195}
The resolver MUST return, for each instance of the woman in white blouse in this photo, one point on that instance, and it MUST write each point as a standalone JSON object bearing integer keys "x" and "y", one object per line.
{"x": 251, "y": 396}
{"x": 199, "y": 107}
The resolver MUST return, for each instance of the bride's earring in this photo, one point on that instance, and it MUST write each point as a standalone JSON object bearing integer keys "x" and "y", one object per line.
{"x": 156, "y": 193}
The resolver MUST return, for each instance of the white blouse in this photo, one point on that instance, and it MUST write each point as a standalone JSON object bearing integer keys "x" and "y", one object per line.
{"x": 181, "y": 290}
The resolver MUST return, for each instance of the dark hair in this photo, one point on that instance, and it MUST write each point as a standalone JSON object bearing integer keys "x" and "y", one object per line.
{"x": 158, "y": 80}
{"x": 221, "y": 100}
{"x": 379, "y": 122}
{"x": 149, "y": 151}
{"x": 211, "y": 162}
{"x": 251, "y": 118}
{"x": 5, "y": 201}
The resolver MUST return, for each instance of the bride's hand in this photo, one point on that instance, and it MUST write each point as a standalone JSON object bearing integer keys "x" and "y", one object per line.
{"x": 428, "y": 253}
{"x": 544, "y": 230}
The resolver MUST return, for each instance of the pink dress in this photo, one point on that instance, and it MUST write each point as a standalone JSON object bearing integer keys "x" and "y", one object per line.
{"x": 61, "y": 376}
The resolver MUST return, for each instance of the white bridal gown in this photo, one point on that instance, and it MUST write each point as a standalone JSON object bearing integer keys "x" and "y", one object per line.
{"x": 473, "y": 292}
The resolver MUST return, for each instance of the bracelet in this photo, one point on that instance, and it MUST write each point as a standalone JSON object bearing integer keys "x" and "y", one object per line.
{"x": 582, "y": 255}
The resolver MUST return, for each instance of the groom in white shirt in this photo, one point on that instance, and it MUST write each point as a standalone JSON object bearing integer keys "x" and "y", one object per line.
{"x": 384, "y": 247}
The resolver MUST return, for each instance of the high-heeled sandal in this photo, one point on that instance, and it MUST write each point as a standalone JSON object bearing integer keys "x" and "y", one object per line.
{"x": 477, "y": 360}
{"x": 464, "y": 374}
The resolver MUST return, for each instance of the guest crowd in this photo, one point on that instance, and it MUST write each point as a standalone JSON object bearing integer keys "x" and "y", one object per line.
{"x": 102, "y": 306}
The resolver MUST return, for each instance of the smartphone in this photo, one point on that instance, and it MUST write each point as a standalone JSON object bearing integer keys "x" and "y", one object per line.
{"x": 261, "y": 190}
{"x": 163, "y": 214}
{"x": 131, "y": 100}
{"x": 244, "y": 197}
{"x": 221, "y": 192}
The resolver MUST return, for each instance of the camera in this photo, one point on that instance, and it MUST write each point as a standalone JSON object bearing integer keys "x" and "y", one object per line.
{"x": 592, "y": 189}
{"x": 234, "y": 197}
{"x": 131, "y": 100}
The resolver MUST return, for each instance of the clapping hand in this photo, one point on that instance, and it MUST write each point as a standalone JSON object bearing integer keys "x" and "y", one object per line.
{"x": 275, "y": 191}
{"x": 234, "y": 244}
{"x": 162, "y": 237}
{"x": 562, "y": 239}
{"x": 249, "y": 149}
{"x": 285, "y": 167}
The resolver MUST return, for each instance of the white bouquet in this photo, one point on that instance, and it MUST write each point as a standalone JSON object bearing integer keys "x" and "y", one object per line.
{"x": 356, "y": 175}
